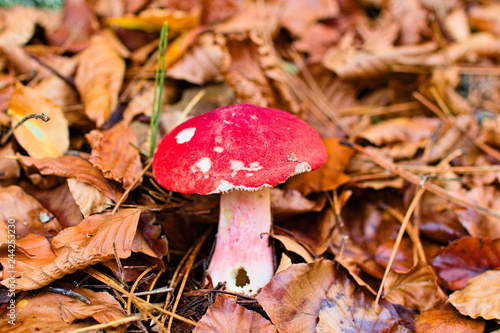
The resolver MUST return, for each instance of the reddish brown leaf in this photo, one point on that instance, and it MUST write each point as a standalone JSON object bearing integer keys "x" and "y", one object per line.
{"x": 466, "y": 258}
{"x": 226, "y": 316}
{"x": 28, "y": 214}
{"x": 114, "y": 152}
{"x": 70, "y": 166}
{"x": 445, "y": 318}
{"x": 479, "y": 298}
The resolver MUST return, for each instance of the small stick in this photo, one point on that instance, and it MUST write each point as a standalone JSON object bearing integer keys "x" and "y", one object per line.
{"x": 28, "y": 117}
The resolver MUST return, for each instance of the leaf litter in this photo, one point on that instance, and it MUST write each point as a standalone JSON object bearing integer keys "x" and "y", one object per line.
{"x": 405, "y": 95}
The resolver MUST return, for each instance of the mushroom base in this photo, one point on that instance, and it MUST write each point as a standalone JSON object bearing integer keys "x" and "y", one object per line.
{"x": 243, "y": 257}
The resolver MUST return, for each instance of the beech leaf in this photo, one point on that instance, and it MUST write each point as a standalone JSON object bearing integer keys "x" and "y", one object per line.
{"x": 479, "y": 298}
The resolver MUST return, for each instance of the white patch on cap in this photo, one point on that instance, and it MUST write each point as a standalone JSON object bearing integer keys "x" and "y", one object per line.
{"x": 239, "y": 166}
{"x": 203, "y": 164}
{"x": 185, "y": 135}
{"x": 302, "y": 167}
{"x": 218, "y": 149}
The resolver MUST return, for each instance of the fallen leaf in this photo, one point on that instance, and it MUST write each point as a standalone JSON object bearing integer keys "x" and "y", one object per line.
{"x": 70, "y": 166}
{"x": 485, "y": 17}
{"x": 47, "y": 311}
{"x": 59, "y": 202}
{"x": 351, "y": 63}
{"x": 104, "y": 308}
{"x": 68, "y": 260}
{"x": 479, "y": 298}
{"x": 329, "y": 176}
{"x": 152, "y": 20}
{"x": 29, "y": 215}
{"x": 416, "y": 290}
{"x": 293, "y": 202}
{"x": 466, "y": 258}
{"x": 405, "y": 257}
{"x": 352, "y": 309}
{"x": 114, "y": 152}
{"x": 294, "y": 297}
{"x": 203, "y": 62}
{"x": 106, "y": 232}
{"x": 40, "y": 139}
{"x": 89, "y": 199}
{"x": 399, "y": 130}
{"x": 31, "y": 251}
{"x": 99, "y": 78}
{"x": 445, "y": 318}
{"x": 226, "y": 316}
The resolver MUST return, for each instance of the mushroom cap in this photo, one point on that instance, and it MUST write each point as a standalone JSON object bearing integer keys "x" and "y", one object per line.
{"x": 236, "y": 147}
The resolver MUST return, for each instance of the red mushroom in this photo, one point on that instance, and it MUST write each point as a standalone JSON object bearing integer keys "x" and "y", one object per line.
{"x": 239, "y": 151}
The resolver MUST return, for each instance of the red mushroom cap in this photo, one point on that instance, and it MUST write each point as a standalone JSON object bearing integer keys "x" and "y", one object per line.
{"x": 242, "y": 146}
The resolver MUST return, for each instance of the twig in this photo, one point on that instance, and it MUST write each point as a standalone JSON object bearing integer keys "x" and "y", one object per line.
{"x": 28, "y": 117}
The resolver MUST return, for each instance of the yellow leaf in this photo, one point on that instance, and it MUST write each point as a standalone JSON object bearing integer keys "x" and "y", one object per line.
{"x": 39, "y": 139}
{"x": 152, "y": 20}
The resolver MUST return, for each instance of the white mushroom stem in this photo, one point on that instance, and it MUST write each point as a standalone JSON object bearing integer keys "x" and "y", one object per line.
{"x": 243, "y": 258}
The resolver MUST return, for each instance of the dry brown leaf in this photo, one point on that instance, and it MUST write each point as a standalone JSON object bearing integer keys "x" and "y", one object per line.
{"x": 40, "y": 139}
{"x": 399, "y": 130}
{"x": 31, "y": 251}
{"x": 29, "y": 215}
{"x": 114, "y": 152}
{"x": 350, "y": 63}
{"x": 69, "y": 260}
{"x": 292, "y": 202}
{"x": 350, "y": 309}
{"x": 294, "y": 297}
{"x": 445, "y": 318}
{"x": 292, "y": 245}
{"x": 104, "y": 308}
{"x": 99, "y": 78}
{"x": 226, "y": 316}
{"x": 9, "y": 168}
{"x": 329, "y": 176}
{"x": 457, "y": 25}
{"x": 417, "y": 289}
{"x": 405, "y": 257}
{"x": 89, "y": 199}
{"x": 203, "y": 63}
{"x": 70, "y": 166}
{"x": 479, "y": 298}
{"x": 106, "y": 232}
{"x": 298, "y": 16}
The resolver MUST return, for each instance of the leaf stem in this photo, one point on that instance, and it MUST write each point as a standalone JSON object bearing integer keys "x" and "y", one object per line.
{"x": 7, "y": 136}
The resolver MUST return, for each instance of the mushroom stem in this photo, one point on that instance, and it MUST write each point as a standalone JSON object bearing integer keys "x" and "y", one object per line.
{"x": 243, "y": 257}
